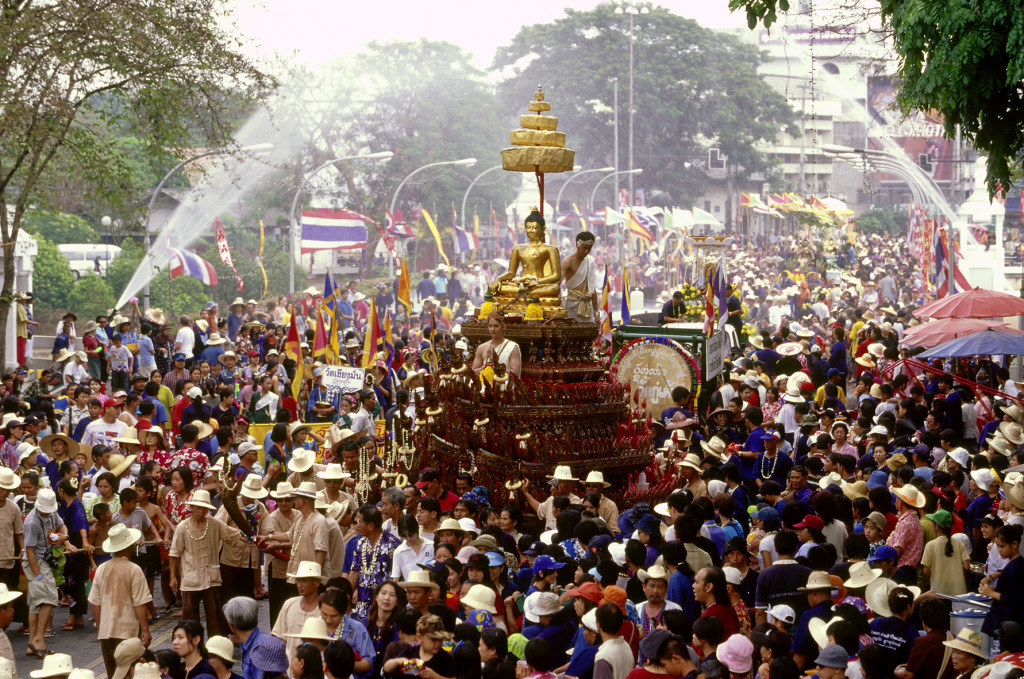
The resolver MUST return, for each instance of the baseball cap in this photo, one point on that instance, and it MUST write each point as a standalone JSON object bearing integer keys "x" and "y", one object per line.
{"x": 546, "y": 562}
{"x": 884, "y": 552}
{"x": 811, "y": 521}
{"x": 535, "y": 548}
{"x": 653, "y": 641}
{"x": 770, "y": 435}
{"x": 195, "y": 392}
{"x": 179, "y": 356}
{"x": 783, "y": 613}
{"x": 426, "y": 476}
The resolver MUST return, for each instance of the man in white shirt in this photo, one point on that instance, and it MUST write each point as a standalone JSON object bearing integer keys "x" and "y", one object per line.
{"x": 107, "y": 428}
{"x": 74, "y": 369}
{"x": 185, "y": 341}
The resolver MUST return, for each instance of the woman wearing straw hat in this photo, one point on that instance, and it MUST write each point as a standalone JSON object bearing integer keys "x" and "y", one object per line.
{"x": 119, "y": 595}
{"x": 968, "y": 652}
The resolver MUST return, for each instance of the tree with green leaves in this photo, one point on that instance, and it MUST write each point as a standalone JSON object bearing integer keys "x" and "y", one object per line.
{"x": 90, "y": 296}
{"x": 961, "y": 59}
{"x": 52, "y": 278}
{"x": 693, "y": 89}
{"x": 59, "y": 227}
{"x": 77, "y": 75}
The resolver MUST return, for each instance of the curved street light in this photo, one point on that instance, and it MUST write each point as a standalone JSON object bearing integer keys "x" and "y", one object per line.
{"x": 379, "y": 155}
{"x": 558, "y": 199}
{"x": 465, "y": 162}
{"x": 593, "y": 194}
{"x": 471, "y": 184}
{"x": 256, "y": 149}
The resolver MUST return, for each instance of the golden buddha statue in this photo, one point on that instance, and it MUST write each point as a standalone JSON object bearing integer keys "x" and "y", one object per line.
{"x": 540, "y": 266}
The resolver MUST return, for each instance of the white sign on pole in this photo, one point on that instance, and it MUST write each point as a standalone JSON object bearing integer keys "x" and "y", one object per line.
{"x": 716, "y": 351}
{"x": 342, "y": 378}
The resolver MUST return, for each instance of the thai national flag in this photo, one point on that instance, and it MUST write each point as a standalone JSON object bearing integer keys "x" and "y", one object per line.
{"x": 402, "y": 230}
{"x": 333, "y": 230}
{"x": 185, "y": 263}
{"x": 465, "y": 240}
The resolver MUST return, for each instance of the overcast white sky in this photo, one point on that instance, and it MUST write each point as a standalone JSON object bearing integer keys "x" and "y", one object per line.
{"x": 318, "y": 31}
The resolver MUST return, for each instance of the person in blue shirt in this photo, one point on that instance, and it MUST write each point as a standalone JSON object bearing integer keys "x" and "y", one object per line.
{"x": 346, "y": 313}
{"x": 242, "y": 615}
{"x": 214, "y": 348}
{"x": 837, "y": 353}
{"x": 196, "y": 410}
{"x": 235, "y": 317}
{"x": 152, "y": 393}
{"x": 62, "y": 340}
{"x": 426, "y": 288}
{"x": 819, "y": 598}
{"x": 752, "y": 447}
{"x": 147, "y": 352}
{"x": 771, "y": 464}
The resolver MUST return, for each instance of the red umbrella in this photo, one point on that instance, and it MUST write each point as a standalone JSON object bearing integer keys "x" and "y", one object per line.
{"x": 977, "y": 303}
{"x": 934, "y": 333}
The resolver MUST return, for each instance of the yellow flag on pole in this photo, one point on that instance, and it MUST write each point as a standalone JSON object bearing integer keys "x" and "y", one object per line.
{"x": 405, "y": 287}
{"x": 437, "y": 235}
{"x": 293, "y": 349}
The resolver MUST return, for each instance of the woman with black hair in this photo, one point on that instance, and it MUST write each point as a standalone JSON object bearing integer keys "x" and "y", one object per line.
{"x": 466, "y": 655}
{"x": 306, "y": 663}
{"x": 1007, "y": 593}
{"x": 945, "y": 561}
{"x": 187, "y": 642}
{"x": 823, "y": 503}
{"x": 809, "y": 532}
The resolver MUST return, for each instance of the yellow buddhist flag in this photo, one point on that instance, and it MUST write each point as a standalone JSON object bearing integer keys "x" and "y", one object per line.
{"x": 437, "y": 235}
{"x": 405, "y": 287}
{"x": 293, "y": 350}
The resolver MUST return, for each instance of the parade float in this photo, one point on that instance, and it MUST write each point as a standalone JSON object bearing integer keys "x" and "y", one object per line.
{"x": 566, "y": 407}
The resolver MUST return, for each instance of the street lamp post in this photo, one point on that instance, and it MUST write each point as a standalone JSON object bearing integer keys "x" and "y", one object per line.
{"x": 465, "y": 162}
{"x": 632, "y": 8}
{"x": 600, "y": 181}
{"x": 254, "y": 148}
{"x": 578, "y": 173}
{"x": 293, "y": 235}
{"x": 471, "y": 185}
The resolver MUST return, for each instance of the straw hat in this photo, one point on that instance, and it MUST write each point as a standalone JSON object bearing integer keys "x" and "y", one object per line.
{"x": 968, "y": 641}
{"x": 756, "y": 341}
{"x": 419, "y": 579}
{"x": 655, "y": 572}
{"x": 221, "y": 647}
{"x": 861, "y": 575}
{"x": 309, "y": 569}
{"x": 120, "y": 537}
{"x": 283, "y": 492}
{"x": 562, "y": 473}
{"x": 999, "y": 444}
{"x": 252, "y": 488}
{"x": 1013, "y": 487}
{"x": 818, "y": 629}
{"x": 205, "y": 430}
{"x": 64, "y": 355}
{"x": 911, "y": 495}
{"x": 200, "y": 498}
{"x": 119, "y": 464}
{"x": 333, "y": 472}
{"x": 306, "y": 489}
{"x": 789, "y": 349}
{"x": 1015, "y": 413}
{"x": 715, "y": 447}
{"x": 296, "y": 427}
{"x": 1013, "y": 432}
{"x": 129, "y": 435}
{"x": 8, "y": 479}
{"x": 6, "y": 595}
{"x": 865, "y": 361}
{"x": 312, "y": 628}
{"x": 854, "y": 490}
{"x": 596, "y": 478}
{"x": 832, "y": 478}
{"x": 450, "y": 524}
{"x": 54, "y": 665}
{"x": 302, "y": 460}
{"x": 47, "y": 444}
{"x": 876, "y": 349}
{"x": 817, "y": 580}
{"x": 877, "y": 595}
{"x": 480, "y": 597}
{"x": 691, "y": 461}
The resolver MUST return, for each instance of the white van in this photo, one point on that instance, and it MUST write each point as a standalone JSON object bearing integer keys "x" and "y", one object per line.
{"x": 82, "y": 256}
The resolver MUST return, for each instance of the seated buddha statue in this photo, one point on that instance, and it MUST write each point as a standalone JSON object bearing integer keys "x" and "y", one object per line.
{"x": 541, "y": 268}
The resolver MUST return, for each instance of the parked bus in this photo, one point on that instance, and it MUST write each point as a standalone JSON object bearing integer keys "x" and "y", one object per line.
{"x": 82, "y": 256}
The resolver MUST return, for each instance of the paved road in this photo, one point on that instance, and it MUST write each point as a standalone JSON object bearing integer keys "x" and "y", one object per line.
{"x": 84, "y": 648}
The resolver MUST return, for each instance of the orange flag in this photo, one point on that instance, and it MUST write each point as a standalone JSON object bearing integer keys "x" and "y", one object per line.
{"x": 405, "y": 288}
{"x": 293, "y": 349}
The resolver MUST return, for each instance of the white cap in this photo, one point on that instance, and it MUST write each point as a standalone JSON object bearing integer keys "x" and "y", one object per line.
{"x": 783, "y": 613}
{"x": 733, "y": 575}
{"x": 195, "y": 392}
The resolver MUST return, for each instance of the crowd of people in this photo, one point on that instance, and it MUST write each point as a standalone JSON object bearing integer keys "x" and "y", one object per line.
{"x": 830, "y": 510}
